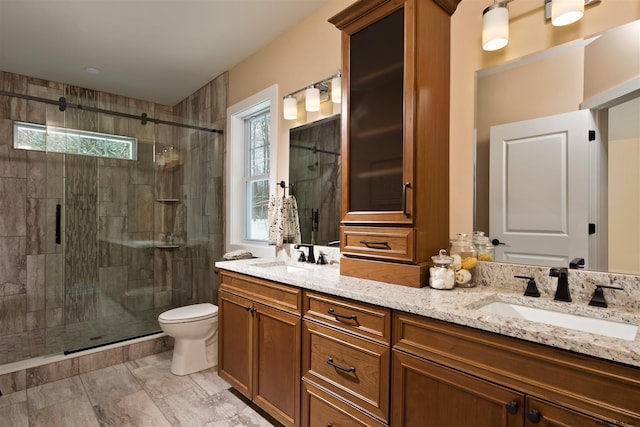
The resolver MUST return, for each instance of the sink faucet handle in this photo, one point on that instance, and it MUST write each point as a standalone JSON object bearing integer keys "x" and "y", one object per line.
{"x": 576, "y": 263}
{"x": 322, "y": 258}
{"x": 302, "y": 257}
{"x": 532, "y": 288}
{"x": 597, "y": 300}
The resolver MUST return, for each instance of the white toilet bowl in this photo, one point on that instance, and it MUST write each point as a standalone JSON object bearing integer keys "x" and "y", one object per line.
{"x": 195, "y": 331}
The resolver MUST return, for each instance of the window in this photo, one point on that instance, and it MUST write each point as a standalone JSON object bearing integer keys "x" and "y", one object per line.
{"x": 251, "y": 173}
{"x": 36, "y": 137}
{"x": 257, "y": 136}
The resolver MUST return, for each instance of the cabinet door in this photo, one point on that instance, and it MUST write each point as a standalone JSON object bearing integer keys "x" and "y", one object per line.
{"x": 234, "y": 353}
{"x": 429, "y": 395}
{"x": 276, "y": 380}
{"x": 545, "y": 414}
{"x": 378, "y": 156}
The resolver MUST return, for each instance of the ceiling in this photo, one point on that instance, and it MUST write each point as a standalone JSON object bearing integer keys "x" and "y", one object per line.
{"x": 155, "y": 50}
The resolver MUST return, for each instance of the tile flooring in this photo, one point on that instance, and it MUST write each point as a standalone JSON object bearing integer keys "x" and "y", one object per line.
{"x": 142, "y": 392}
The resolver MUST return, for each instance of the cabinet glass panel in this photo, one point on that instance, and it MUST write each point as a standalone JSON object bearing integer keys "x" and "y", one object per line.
{"x": 376, "y": 115}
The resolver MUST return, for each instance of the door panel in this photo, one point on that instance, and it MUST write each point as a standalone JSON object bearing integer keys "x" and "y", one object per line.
{"x": 276, "y": 385}
{"x": 555, "y": 416}
{"x": 234, "y": 352}
{"x": 539, "y": 189}
{"x": 430, "y": 395}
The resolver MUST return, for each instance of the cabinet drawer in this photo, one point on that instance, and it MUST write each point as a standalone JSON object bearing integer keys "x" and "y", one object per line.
{"x": 351, "y": 367}
{"x": 385, "y": 243}
{"x": 273, "y": 294}
{"x": 359, "y": 318}
{"x": 320, "y": 409}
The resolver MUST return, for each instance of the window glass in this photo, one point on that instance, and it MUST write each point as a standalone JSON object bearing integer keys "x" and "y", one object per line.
{"x": 37, "y": 137}
{"x": 257, "y": 139}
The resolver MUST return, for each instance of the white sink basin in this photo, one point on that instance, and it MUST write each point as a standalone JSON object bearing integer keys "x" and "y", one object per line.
{"x": 281, "y": 265}
{"x": 592, "y": 325}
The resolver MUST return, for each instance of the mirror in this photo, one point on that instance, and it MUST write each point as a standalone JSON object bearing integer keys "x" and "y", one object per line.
{"x": 314, "y": 172}
{"x": 601, "y": 74}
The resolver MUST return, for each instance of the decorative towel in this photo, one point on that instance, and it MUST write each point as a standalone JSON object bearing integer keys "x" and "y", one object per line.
{"x": 284, "y": 225}
{"x": 237, "y": 254}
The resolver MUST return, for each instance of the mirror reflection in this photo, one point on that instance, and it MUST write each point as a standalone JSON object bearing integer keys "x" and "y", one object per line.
{"x": 555, "y": 194}
{"x": 314, "y": 172}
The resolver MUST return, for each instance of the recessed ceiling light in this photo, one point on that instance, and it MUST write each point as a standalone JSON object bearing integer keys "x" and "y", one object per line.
{"x": 92, "y": 70}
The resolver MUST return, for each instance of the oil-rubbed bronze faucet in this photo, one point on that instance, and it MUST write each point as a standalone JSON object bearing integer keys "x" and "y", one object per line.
{"x": 311, "y": 258}
{"x": 562, "y": 291}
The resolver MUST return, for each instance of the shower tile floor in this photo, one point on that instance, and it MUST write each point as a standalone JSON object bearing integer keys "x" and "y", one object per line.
{"x": 105, "y": 330}
{"x": 142, "y": 392}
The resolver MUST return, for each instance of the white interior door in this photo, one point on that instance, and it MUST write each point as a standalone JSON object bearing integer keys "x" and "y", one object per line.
{"x": 539, "y": 189}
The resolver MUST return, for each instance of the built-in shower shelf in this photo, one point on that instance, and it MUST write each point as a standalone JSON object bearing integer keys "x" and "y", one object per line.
{"x": 168, "y": 200}
{"x": 167, "y": 246}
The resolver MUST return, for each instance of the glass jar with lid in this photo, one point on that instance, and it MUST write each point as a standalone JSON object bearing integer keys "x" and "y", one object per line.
{"x": 442, "y": 275}
{"x": 486, "y": 250}
{"x": 465, "y": 259}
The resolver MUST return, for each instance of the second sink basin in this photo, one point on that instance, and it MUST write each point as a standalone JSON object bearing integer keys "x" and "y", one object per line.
{"x": 281, "y": 265}
{"x": 625, "y": 331}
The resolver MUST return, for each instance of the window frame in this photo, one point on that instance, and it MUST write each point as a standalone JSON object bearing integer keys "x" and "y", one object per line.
{"x": 236, "y": 206}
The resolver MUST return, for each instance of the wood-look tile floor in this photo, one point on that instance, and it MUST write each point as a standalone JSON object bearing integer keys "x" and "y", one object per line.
{"x": 139, "y": 393}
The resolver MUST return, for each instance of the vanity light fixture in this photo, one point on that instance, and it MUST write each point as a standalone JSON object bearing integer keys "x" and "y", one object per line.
{"x": 495, "y": 19}
{"x": 336, "y": 89}
{"x": 290, "y": 108}
{"x": 329, "y": 88}
{"x": 495, "y": 26}
{"x": 312, "y": 99}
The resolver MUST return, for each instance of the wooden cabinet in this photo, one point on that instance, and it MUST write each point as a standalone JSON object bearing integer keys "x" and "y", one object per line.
{"x": 395, "y": 130}
{"x": 446, "y": 374}
{"x": 427, "y": 394}
{"x": 345, "y": 362}
{"x": 259, "y": 344}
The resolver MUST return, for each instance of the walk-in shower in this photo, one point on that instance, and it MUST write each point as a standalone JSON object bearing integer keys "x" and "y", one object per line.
{"x": 112, "y": 213}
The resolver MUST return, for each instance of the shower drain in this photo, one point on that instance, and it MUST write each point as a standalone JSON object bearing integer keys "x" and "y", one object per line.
{"x": 95, "y": 338}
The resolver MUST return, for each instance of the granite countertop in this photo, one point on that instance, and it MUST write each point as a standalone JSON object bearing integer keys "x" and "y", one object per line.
{"x": 459, "y": 306}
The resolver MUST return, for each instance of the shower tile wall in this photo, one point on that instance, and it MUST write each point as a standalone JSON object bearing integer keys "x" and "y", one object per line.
{"x": 129, "y": 272}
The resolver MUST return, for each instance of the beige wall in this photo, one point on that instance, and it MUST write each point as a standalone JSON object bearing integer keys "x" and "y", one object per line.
{"x": 529, "y": 33}
{"x": 307, "y": 53}
{"x": 311, "y": 51}
{"x": 624, "y": 187}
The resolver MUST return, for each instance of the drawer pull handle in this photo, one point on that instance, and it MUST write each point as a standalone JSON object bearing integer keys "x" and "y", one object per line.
{"x": 342, "y": 316}
{"x": 374, "y": 245}
{"x": 512, "y": 407}
{"x": 342, "y": 368}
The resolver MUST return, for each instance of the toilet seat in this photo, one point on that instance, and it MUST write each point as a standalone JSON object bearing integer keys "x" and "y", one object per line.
{"x": 189, "y": 313}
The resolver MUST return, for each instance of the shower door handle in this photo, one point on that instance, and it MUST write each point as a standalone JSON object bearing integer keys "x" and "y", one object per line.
{"x": 58, "y": 224}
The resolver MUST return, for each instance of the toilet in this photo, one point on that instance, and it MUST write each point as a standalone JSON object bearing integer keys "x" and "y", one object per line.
{"x": 195, "y": 331}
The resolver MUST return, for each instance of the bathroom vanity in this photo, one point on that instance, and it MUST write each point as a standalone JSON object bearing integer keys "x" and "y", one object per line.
{"x": 361, "y": 352}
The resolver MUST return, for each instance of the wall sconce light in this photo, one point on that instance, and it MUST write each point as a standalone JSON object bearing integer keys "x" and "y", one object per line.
{"x": 495, "y": 26}
{"x": 312, "y": 99}
{"x": 336, "y": 89}
{"x": 313, "y": 96}
{"x": 495, "y": 19}
{"x": 565, "y": 12}
{"x": 290, "y": 108}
